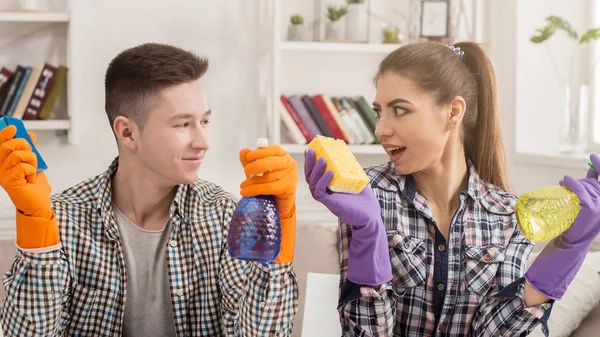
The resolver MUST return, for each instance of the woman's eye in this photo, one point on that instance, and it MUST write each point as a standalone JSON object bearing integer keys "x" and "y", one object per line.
{"x": 399, "y": 111}
{"x": 377, "y": 113}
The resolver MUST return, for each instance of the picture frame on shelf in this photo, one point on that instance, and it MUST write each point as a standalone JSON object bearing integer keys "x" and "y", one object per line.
{"x": 435, "y": 19}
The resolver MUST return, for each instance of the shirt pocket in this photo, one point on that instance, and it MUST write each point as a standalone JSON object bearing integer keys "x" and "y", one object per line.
{"x": 482, "y": 263}
{"x": 408, "y": 256}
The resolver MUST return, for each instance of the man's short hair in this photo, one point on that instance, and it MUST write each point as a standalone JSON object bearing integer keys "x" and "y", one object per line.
{"x": 136, "y": 75}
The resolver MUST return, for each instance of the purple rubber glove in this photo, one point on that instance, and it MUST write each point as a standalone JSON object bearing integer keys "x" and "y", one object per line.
{"x": 368, "y": 254}
{"x": 556, "y": 266}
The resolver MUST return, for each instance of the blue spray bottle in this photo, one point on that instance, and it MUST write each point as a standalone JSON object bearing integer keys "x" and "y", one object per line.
{"x": 255, "y": 228}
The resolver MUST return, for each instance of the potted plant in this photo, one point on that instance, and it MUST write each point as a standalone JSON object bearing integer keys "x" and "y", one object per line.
{"x": 575, "y": 86}
{"x": 356, "y": 21}
{"x": 29, "y": 5}
{"x": 391, "y": 35}
{"x": 335, "y": 29}
{"x": 297, "y": 29}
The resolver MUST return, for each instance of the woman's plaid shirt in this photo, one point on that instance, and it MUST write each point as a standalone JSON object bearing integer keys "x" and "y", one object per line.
{"x": 79, "y": 289}
{"x": 469, "y": 285}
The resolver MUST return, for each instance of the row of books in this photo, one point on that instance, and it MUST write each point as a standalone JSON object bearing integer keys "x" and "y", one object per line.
{"x": 31, "y": 92}
{"x": 349, "y": 118}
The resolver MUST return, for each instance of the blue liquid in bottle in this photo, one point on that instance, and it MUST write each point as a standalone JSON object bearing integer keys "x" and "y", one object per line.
{"x": 255, "y": 228}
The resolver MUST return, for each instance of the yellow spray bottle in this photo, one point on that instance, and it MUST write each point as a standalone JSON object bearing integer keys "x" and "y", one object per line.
{"x": 547, "y": 212}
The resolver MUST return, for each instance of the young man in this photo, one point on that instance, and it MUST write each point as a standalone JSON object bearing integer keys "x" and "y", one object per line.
{"x": 141, "y": 250}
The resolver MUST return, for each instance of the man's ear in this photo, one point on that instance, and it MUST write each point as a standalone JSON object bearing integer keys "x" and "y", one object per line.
{"x": 127, "y": 132}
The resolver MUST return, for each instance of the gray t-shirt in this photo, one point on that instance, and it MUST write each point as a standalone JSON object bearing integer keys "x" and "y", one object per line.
{"x": 148, "y": 307}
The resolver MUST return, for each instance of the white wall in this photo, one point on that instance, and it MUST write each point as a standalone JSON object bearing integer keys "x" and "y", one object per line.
{"x": 227, "y": 33}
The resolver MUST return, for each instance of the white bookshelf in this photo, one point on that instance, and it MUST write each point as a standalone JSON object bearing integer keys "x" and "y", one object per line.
{"x": 356, "y": 149}
{"x": 344, "y": 47}
{"x": 23, "y": 16}
{"x": 51, "y": 124}
{"x": 278, "y": 50}
{"x": 46, "y": 20}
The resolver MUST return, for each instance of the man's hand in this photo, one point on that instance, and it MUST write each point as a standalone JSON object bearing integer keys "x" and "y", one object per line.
{"x": 272, "y": 171}
{"x": 28, "y": 190}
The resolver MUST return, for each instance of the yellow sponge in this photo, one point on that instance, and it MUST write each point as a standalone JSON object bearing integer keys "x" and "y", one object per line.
{"x": 348, "y": 176}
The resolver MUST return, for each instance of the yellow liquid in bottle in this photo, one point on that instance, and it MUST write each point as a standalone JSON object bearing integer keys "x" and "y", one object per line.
{"x": 546, "y": 212}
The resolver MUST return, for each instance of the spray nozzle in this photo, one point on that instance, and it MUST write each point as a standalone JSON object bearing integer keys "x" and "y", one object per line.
{"x": 262, "y": 142}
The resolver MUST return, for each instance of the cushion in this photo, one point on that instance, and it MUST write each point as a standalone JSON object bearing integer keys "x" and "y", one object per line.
{"x": 582, "y": 296}
{"x": 316, "y": 252}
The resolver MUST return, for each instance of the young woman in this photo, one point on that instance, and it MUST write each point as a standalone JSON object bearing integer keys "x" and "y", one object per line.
{"x": 432, "y": 246}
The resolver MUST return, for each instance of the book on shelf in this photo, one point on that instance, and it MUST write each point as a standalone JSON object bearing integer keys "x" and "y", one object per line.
{"x": 30, "y": 92}
{"x": 348, "y": 118}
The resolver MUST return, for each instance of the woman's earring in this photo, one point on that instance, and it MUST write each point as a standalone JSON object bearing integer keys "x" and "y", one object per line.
{"x": 452, "y": 126}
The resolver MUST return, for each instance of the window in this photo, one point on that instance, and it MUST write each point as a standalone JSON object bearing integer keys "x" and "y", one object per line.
{"x": 594, "y": 130}
{"x": 594, "y": 119}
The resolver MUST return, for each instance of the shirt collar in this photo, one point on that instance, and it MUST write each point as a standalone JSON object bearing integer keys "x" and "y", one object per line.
{"x": 389, "y": 179}
{"x": 103, "y": 191}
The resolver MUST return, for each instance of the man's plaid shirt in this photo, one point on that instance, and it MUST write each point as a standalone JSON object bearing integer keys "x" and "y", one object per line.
{"x": 469, "y": 285}
{"x": 79, "y": 289}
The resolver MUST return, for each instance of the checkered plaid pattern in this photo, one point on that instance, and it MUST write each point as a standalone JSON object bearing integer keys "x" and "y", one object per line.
{"x": 469, "y": 285}
{"x": 79, "y": 290}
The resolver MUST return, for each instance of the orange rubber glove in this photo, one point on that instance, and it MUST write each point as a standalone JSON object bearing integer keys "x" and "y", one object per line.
{"x": 272, "y": 171}
{"x": 28, "y": 190}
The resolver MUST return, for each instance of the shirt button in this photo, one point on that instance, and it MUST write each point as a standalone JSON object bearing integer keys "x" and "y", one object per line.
{"x": 441, "y": 248}
{"x": 487, "y": 257}
{"x": 442, "y": 327}
{"x": 407, "y": 245}
{"x": 180, "y": 292}
{"x": 441, "y": 287}
{"x": 173, "y": 243}
{"x": 262, "y": 304}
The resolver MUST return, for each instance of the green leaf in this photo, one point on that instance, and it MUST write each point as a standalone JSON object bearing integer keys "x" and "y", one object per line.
{"x": 591, "y": 35}
{"x": 335, "y": 13}
{"x": 543, "y": 34}
{"x": 559, "y": 23}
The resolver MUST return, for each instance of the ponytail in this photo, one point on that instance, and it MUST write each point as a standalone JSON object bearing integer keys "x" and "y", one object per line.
{"x": 483, "y": 142}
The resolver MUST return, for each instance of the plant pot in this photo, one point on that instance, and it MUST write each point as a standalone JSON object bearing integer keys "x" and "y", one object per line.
{"x": 356, "y": 23}
{"x": 297, "y": 33}
{"x": 335, "y": 30}
{"x": 29, "y": 5}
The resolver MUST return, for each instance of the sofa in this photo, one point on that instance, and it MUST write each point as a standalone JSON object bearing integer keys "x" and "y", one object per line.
{"x": 317, "y": 252}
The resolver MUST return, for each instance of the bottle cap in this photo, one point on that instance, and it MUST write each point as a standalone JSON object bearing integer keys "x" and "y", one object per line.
{"x": 262, "y": 142}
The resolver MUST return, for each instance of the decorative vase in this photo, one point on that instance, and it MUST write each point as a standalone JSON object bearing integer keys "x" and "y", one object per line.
{"x": 575, "y": 126}
{"x": 297, "y": 33}
{"x": 29, "y": 5}
{"x": 335, "y": 30}
{"x": 356, "y": 22}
